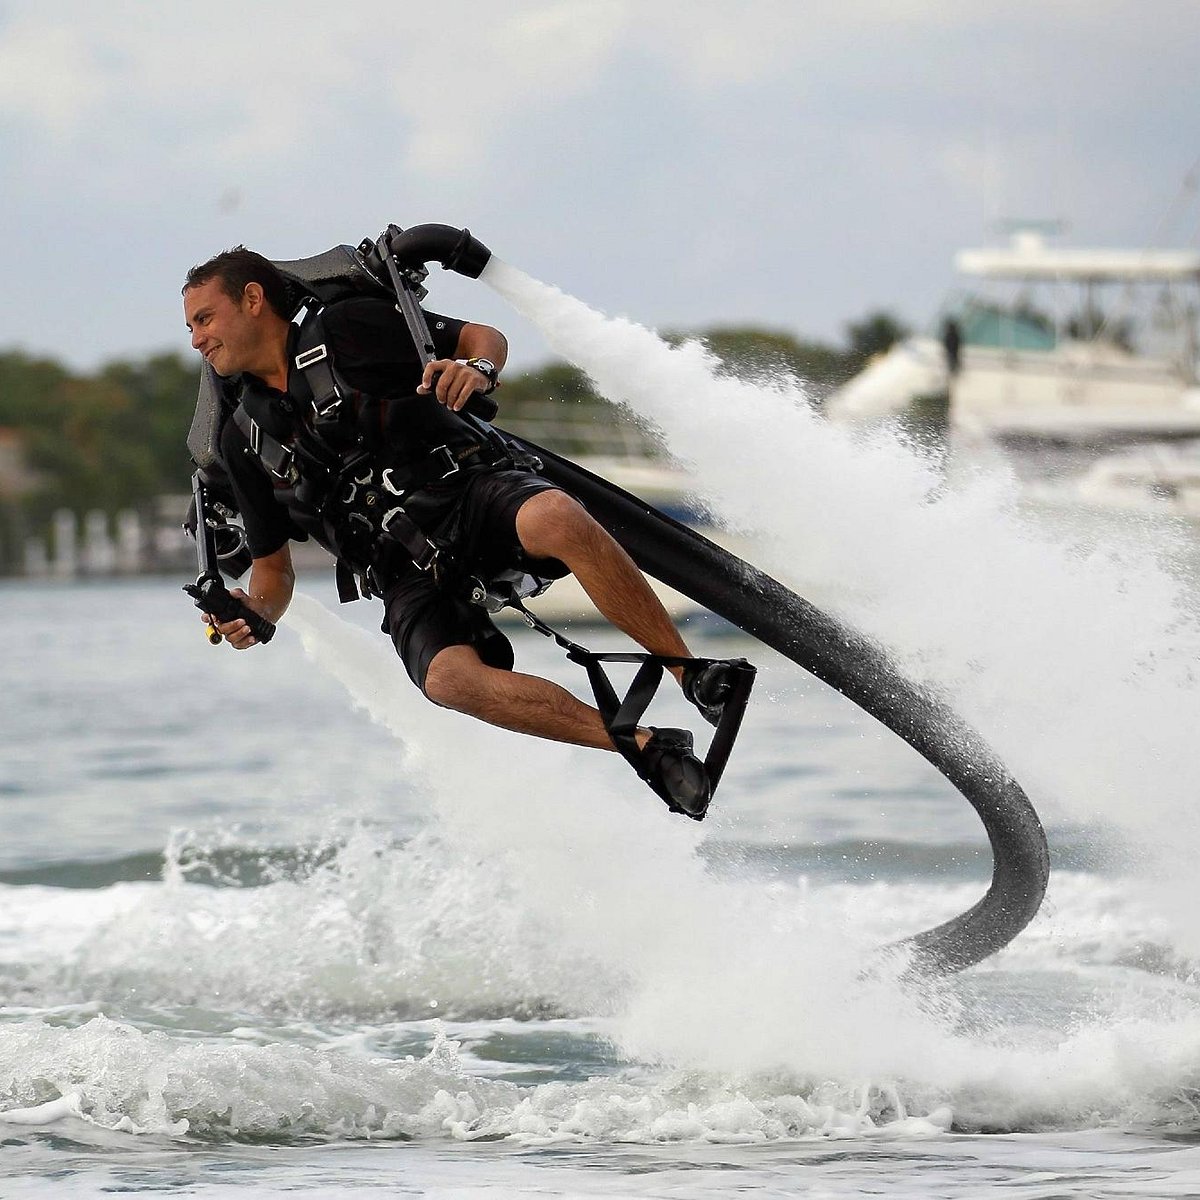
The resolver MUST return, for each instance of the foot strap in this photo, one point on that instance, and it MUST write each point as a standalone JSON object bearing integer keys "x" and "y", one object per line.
{"x": 622, "y": 716}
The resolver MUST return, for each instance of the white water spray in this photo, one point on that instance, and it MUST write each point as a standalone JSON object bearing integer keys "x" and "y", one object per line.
{"x": 638, "y": 929}
{"x": 1075, "y": 659}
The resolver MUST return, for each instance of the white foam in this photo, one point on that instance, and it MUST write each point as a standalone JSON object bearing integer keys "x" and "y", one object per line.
{"x": 118, "y": 1078}
{"x": 1073, "y": 654}
{"x": 612, "y": 884}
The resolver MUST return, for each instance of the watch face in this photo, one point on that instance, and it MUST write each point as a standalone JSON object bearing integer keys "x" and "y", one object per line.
{"x": 485, "y": 365}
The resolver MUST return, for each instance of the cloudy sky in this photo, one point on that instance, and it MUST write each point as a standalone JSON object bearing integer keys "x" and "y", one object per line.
{"x": 792, "y": 163}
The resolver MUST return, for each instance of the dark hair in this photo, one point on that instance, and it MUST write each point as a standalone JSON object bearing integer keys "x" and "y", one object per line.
{"x": 237, "y": 267}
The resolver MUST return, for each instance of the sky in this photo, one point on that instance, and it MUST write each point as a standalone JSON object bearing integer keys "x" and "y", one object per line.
{"x": 784, "y": 163}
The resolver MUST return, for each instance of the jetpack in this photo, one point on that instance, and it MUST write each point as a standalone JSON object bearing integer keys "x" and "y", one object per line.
{"x": 395, "y": 265}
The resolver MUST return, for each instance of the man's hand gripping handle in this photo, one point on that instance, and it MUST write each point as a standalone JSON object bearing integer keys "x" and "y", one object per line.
{"x": 212, "y": 597}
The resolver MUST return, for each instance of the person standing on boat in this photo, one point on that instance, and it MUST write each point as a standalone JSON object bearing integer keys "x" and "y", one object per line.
{"x": 952, "y": 344}
{"x": 462, "y": 510}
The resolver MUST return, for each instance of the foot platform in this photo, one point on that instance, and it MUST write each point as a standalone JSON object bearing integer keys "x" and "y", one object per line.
{"x": 668, "y": 763}
{"x": 719, "y": 687}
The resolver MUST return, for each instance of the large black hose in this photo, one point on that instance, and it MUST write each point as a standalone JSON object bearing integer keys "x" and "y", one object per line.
{"x": 861, "y": 671}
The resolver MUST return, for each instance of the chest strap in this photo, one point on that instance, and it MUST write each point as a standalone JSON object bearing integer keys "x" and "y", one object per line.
{"x": 394, "y": 523}
{"x": 278, "y": 457}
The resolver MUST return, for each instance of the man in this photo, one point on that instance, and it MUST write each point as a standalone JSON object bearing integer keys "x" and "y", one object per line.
{"x": 473, "y": 512}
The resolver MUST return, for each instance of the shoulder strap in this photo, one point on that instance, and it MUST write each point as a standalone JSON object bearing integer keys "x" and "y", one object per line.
{"x": 314, "y": 362}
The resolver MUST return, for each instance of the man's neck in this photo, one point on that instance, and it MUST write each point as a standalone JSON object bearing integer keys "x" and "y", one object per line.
{"x": 276, "y": 378}
{"x": 273, "y": 370}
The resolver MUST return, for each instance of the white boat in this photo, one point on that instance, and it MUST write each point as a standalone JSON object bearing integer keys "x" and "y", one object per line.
{"x": 1158, "y": 479}
{"x": 1040, "y": 373}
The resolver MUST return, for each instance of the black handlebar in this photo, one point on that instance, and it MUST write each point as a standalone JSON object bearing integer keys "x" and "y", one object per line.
{"x": 209, "y": 591}
{"x": 211, "y": 596}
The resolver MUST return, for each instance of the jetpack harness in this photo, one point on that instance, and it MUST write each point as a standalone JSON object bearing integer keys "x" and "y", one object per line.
{"x": 323, "y": 446}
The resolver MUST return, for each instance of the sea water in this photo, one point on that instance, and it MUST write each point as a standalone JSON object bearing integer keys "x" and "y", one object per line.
{"x": 272, "y": 923}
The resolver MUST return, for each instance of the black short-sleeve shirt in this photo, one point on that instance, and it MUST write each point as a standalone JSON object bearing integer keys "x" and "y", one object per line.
{"x": 371, "y": 347}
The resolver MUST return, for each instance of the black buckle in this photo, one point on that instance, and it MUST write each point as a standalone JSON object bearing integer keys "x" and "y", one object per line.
{"x": 328, "y": 407}
{"x": 284, "y": 467}
{"x": 426, "y": 559}
{"x": 424, "y": 554}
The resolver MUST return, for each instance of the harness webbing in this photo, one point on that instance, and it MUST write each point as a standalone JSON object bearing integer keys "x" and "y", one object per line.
{"x": 622, "y": 716}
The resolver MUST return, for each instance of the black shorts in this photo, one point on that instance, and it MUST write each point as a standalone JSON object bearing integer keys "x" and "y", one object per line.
{"x": 424, "y": 617}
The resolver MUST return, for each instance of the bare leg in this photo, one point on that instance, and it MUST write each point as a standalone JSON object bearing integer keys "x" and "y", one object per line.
{"x": 553, "y": 525}
{"x": 459, "y": 679}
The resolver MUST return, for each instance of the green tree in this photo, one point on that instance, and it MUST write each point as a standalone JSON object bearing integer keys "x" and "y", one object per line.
{"x": 874, "y": 334}
{"x": 108, "y": 441}
{"x": 753, "y": 352}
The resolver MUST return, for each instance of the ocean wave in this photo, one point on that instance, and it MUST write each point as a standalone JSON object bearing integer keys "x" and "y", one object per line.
{"x": 111, "y": 1075}
{"x": 368, "y": 925}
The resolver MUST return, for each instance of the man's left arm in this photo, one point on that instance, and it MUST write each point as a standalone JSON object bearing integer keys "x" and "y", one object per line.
{"x": 455, "y": 380}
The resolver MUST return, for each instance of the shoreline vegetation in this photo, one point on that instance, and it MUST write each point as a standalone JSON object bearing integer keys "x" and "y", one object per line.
{"x": 103, "y": 451}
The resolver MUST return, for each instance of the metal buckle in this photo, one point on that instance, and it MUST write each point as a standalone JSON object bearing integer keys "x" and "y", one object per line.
{"x": 308, "y": 358}
{"x": 328, "y": 407}
{"x": 286, "y": 468}
{"x": 357, "y": 481}
{"x": 453, "y": 465}
{"x": 426, "y": 558}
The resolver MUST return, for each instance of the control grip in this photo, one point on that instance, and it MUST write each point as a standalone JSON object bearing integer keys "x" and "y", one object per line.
{"x": 483, "y": 407}
{"x": 211, "y": 596}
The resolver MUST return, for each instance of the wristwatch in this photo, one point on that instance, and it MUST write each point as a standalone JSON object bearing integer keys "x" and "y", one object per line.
{"x": 484, "y": 366}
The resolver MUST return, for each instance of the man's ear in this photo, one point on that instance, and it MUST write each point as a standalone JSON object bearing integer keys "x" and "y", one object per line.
{"x": 253, "y": 297}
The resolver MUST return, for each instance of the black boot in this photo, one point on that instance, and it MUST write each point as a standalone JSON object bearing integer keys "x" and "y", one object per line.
{"x": 707, "y": 684}
{"x": 675, "y": 773}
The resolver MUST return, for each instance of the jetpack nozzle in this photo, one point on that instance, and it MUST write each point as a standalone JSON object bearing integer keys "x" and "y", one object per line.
{"x": 454, "y": 248}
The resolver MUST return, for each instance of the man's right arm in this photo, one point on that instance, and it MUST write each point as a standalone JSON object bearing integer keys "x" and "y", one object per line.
{"x": 272, "y": 580}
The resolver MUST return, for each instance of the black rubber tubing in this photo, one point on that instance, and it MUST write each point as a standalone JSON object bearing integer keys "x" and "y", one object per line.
{"x": 860, "y": 670}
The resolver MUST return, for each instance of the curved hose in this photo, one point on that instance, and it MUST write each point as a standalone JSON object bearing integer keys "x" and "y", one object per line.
{"x": 454, "y": 248}
{"x": 861, "y": 671}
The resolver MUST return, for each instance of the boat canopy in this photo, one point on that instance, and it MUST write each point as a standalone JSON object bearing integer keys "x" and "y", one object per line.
{"x": 1029, "y": 258}
{"x": 983, "y": 324}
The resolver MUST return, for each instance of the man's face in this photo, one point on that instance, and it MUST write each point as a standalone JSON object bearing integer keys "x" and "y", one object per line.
{"x": 224, "y": 331}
